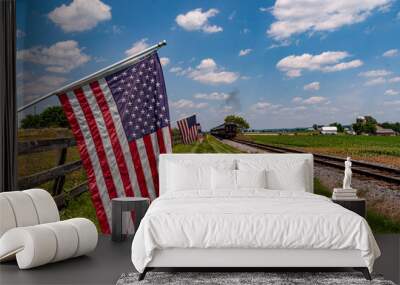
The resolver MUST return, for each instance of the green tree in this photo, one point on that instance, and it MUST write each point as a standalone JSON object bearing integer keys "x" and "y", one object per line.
{"x": 394, "y": 126}
{"x": 339, "y": 127}
{"x": 370, "y": 120}
{"x": 368, "y": 125}
{"x": 51, "y": 117}
{"x": 370, "y": 128}
{"x": 358, "y": 128}
{"x": 238, "y": 120}
{"x": 31, "y": 122}
{"x": 54, "y": 117}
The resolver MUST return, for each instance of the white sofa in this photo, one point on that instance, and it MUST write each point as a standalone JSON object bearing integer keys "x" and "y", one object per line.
{"x": 31, "y": 231}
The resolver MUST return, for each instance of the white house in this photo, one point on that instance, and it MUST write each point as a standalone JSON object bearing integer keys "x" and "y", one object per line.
{"x": 329, "y": 130}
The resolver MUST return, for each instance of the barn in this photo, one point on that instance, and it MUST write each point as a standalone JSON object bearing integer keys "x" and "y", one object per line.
{"x": 328, "y": 130}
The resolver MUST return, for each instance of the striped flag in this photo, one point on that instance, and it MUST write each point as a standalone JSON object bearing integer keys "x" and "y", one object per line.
{"x": 121, "y": 125}
{"x": 188, "y": 129}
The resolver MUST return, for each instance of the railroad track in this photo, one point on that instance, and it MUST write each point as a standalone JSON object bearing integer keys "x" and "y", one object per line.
{"x": 380, "y": 172}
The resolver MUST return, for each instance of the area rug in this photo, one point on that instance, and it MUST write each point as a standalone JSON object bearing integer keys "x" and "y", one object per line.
{"x": 244, "y": 278}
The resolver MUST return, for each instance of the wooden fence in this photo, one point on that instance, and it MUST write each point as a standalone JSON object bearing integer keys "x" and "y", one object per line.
{"x": 58, "y": 173}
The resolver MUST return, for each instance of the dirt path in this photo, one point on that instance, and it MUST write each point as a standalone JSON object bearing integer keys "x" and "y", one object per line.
{"x": 382, "y": 197}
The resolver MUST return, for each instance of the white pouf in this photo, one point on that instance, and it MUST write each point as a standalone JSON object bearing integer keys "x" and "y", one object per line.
{"x": 31, "y": 233}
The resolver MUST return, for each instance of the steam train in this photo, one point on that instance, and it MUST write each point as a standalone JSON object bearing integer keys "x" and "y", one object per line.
{"x": 224, "y": 131}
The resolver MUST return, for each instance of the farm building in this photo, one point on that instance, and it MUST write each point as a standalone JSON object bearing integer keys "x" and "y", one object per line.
{"x": 384, "y": 132}
{"x": 329, "y": 130}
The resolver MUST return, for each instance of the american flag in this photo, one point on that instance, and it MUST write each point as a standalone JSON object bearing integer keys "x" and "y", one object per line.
{"x": 188, "y": 129}
{"x": 121, "y": 125}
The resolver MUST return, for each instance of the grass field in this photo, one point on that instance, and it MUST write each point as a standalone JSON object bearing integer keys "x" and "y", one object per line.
{"x": 378, "y": 149}
{"x": 82, "y": 205}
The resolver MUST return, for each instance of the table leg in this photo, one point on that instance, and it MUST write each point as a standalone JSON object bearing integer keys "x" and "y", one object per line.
{"x": 140, "y": 211}
{"x": 116, "y": 232}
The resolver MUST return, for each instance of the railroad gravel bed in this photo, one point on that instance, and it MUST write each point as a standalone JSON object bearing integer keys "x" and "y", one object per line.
{"x": 242, "y": 147}
{"x": 382, "y": 197}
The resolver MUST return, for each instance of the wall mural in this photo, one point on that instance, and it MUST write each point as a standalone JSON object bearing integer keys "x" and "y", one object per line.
{"x": 235, "y": 76}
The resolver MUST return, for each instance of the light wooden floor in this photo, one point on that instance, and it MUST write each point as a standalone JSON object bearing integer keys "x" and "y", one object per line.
{"x": 110, "y": 260}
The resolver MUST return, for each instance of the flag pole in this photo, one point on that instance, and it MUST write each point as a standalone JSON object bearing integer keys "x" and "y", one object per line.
{"x": 102, "y": 72}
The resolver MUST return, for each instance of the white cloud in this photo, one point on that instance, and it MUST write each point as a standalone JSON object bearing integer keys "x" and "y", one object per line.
{"x": 293, "y": 73}
{"x": 175, "y": 69}
{"x": 375, "y": 73}
{"x": 212, "y": 29}
{"x": 217, "y": 96}
{"x": 226, "y": 109}
{"x": 378, "y": 76}
{"x": 297, "y": 99}
{"x": 392, "y": 103}
{"x": 391, "y": 92}
{"x": 208, "y": 72}
{"x": 261, "y": 106}
{"x": 293, "y": 109}
{"x": 201, "y": 105}
{"x": 137, "y": 47}
{"x": 329, "y": 61}
{"x": 264, "y": 106}
{"x": 375, "y": 81}
{"x": 313, "y": 100}
{"x": 244, "y": 52}
{"x": 391, "y": 53}
{"x": 164, "y": 61}
{"x": 263, "y": 9}
{"x": 232, "y": 16}
{"x": 188, "y": 104}
{"x": 116, "y": 30}
{"x": 80, "y": 15}
{"x": 344, "y": 65}
{"x": 197, "y": 20}
{"x": 299, "y": 16}
{"x": 20, "y": 34}
{"x": 312, "y": 86}
{"x": 30, "y": 87}
{"x": 61, "y": 57}
{"x": 284, "y": 43}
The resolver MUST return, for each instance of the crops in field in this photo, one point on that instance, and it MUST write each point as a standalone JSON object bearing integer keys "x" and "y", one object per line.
{"x": 378, "y": 149}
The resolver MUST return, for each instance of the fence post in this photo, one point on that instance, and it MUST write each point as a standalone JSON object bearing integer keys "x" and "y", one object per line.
{"x": 60, "y": 180}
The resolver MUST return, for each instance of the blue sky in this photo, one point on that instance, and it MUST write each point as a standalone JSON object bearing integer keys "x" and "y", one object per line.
{"x": 277, "y": 63}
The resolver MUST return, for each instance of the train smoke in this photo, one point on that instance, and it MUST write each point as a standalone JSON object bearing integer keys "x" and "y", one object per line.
{"x": 233, "y": 100}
